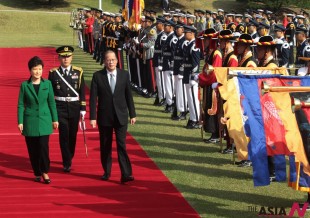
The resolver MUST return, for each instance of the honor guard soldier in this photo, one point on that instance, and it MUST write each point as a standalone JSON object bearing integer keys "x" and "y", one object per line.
{"x": 190, "y": 19}
{"x": 158, "y": 65}
{"x": 201, "y": 21}
{"x": 69, "y": 89}
{"x": 147, "y": 44}
{"x": 96, "y": 33}
{"x": 117, "y": 40}
{"x": 282, "y": 46}
{"x": 243, "y": 45}
{"x": 179, "y": 88}
{"x": 265, "y": 49}
{"x": 226, "y": 38}
{"x": 252, "y": 30}
{"x": 209, "y": 20}
{"x": 290, "y": 38}
{"x": 303, "y": 48}
{"x": 168, "y": 42}
{"x": 190, "y": 79}
{"x": 213, "y": 58}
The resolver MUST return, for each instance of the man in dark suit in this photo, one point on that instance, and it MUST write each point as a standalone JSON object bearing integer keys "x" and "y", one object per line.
{"x": 111, "y": 87}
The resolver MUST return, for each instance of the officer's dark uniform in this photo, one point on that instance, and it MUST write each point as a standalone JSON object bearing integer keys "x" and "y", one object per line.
{"x": 282, "y": 47}
{"x": 157, "y": 61}
{"x": 290, "y": 37}
{"x": 68, "y": 105}
{"x": 191, "y": 71}
{"x": 303, "y": 49}
{"x": 168, "y": 47}
{"x": 178, "y": 61}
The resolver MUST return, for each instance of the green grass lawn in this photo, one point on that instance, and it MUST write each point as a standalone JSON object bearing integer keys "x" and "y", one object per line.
{"x": 206, "y": 178}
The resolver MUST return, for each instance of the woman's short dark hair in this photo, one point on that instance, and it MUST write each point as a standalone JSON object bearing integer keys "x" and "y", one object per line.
{"x": 35, "y": 61}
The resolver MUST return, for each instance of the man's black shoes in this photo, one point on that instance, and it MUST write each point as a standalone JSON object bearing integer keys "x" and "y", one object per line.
{"x": 127, "y": 179}
{"x": 67, "y": 169}
{"x": 105, "y": 177}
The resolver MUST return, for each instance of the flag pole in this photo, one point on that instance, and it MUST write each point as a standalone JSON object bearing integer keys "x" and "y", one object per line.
{"x": 100, "y": 6}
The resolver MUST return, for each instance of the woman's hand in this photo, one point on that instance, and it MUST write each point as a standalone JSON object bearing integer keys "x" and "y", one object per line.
{"x": 55, "y": 125}
{"x": 20, "y": 127}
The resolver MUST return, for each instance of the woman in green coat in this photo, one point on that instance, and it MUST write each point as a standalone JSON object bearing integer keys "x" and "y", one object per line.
{"x": 37, "y": 117}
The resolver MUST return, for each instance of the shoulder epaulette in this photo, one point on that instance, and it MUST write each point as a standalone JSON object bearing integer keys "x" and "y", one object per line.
{"x": 77, "y": 68}
{"x": 53, "y": 69}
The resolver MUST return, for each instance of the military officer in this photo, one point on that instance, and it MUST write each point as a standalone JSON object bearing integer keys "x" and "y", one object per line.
{"x": 179, "y": 88}
{"x": 147, "y": 44}
{"x": 191, "y": 70}
{"x": 168, "y": 42}
{"x": 303, "y": 48}
{"x": 282, "y": 46}
{"x": 157, "y": 61}
{"x": 69, "y": 89}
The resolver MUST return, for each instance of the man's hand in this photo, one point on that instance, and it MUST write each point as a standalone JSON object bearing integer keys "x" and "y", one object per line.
{"x": 132, "y": 121}
{"x": 93, "y": 123}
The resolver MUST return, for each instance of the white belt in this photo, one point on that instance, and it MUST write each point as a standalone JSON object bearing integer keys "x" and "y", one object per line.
{"x": 178, "y": 58}
{"x": 68, "y": 99}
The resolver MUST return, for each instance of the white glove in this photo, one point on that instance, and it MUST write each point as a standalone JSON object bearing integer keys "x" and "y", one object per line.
{"x": 180, "y": 76}
{"x": 192, "y": 82}
{"x": 83, "y": 113}
{"x": 170, "y": 72}
{"x": 181, "y": 69}
{"x": 214, "y": 85}
{"x": 160, "y": 68}
{"x": 136, "y": 41}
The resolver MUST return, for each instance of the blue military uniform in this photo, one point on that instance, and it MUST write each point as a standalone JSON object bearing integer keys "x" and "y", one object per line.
{"x": 168, "y": 46}
{"x": 179, "y": 89}
{"x": 191, "y": 70}
{"x": 282, "y": 48}
{"x": 303, "y": 49}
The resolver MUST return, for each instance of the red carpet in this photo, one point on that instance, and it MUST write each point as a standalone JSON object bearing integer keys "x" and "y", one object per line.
{"x": 80, "y": 193}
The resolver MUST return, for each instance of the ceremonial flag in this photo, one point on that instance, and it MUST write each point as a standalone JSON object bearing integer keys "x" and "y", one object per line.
{"x": 132, "y": 12}
{"x": 271, "y": 125}
{"x": 127, "y": 7}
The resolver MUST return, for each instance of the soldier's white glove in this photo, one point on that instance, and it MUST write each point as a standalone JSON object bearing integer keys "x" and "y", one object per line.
{"x": 83, "y": 113}
{"x": 214, "y": 85}
{"x": 136, "y": 41}
{"x": 192, "y": 83}
{"x": 180, "y": 76}
{"x": 117, "y": 34}
{"x": 160, "y": 68}
{"x": 195, "y": 77}
{"x": 171, "y": 64}
{"x": 181, "y": 69}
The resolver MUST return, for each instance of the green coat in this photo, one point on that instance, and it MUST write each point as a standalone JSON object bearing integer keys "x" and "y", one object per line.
{"x": 37, "y": 112}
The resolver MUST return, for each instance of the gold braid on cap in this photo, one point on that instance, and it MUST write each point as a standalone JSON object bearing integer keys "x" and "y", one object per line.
{"x": 266, "y": 43}
{"x": 226, "y": 36}
{"x": 250, "y": 41}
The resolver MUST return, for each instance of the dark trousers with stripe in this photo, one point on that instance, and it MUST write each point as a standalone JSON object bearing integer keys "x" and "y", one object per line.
{"x": 68, "y": 128}
{"x": 38, "y": 152}
{"x": 150, "y": 76}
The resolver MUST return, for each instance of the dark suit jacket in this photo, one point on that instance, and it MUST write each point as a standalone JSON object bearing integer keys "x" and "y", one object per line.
{"x": 37, "y": 112}
{"x": 111, "y": 105}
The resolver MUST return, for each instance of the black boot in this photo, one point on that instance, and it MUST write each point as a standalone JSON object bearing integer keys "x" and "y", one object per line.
{"x": 174, "y": 114}
{"x": 156, "y": 102}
